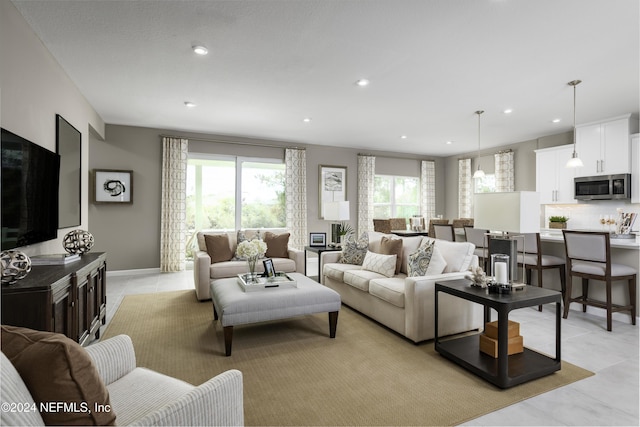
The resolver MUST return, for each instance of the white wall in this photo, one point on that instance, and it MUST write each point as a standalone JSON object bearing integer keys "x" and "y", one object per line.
{"x": 33, "y": 89}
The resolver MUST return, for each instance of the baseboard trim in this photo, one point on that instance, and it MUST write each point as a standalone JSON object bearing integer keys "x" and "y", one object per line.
{"x": 136, "y": 272}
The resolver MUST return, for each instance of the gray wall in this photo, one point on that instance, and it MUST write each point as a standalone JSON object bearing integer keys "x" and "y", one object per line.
{"x": 34, "y": 89}
{"x": 525, "y": 166}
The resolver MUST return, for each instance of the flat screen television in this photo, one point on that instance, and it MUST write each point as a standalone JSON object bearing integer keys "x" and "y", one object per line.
{"x": 30, "y": 176}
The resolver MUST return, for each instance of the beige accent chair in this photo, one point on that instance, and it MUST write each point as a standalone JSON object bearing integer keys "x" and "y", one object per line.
{"x": 137, "y": 395}
{"x": 589, "y": 257}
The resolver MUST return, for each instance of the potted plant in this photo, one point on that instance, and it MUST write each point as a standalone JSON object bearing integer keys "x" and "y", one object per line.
{"x": 558, "y": 221}
{"x": 344, "y": 230}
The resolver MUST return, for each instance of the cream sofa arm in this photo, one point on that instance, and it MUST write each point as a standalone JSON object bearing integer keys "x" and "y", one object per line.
{"x": 114, "y": 358}
{"x": 217, "y": 402}
{"x": 298, "y": 257}
{"x": 201, "y": 274}
{"x": 328, "y": 258}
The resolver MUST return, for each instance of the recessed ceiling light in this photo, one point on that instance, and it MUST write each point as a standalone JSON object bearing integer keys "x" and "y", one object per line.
{"x": 449, "y": 142}
{"x": 362, "y": 82}
{"x": 189, "y": 104}
{"x": 306, "y": 119}
{"x": 508, "y": 111}
{"x": 555, "y": 121}
{"x": 403, "y": 137}
{"x": 200, "y": 50}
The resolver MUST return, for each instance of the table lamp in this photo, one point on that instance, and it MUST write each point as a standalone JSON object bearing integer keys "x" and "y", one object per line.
{"x": 336, "y": 211}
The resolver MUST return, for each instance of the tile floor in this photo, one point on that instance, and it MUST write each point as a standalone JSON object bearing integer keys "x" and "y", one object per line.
{"x": 608, "y": 398}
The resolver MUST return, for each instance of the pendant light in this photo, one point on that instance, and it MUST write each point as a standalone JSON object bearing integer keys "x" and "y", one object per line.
{"x": 479, "y": 173}
{"x": 574, "y": 161}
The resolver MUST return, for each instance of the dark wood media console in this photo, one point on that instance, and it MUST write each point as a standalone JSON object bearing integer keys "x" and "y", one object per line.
{"x": 69, "y": 299}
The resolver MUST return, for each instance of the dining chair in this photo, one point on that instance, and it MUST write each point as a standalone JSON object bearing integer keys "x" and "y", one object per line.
{"x": 478, "y": 236}
{"x": 433, "y": 222}
{"x": 444, "y": 232}
{"x": 589, "y": 257}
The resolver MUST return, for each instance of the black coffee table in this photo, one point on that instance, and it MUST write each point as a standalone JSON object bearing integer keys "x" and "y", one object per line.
{"x": 504, "y": 371}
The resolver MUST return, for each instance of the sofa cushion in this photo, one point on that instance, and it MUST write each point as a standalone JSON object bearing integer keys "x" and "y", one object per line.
{"x": 458, "y": 255}
{"x": 390, "y": 246}
{"x": 57, "y": 369}
{"x": 360, "y": 278}
{"x": 354, "y": 250}
{"x": 409, "y": 246}
{"x": 336, "y": 270}
{"x": 379, "y": 263}
{"x": 277, "y": 244}
{"x": 420, "y": 259}
{"x": 390, "y": 290}
{"x": 218, "y": 247}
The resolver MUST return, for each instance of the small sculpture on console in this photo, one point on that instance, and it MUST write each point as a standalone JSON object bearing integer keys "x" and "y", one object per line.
{"x": 78, "y": 242}
{"x": 478, "y": 277}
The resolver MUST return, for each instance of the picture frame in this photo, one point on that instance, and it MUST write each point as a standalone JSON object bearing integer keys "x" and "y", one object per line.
{"x": 269, "y": 269}
{"x": 317, "y": 239}
{"x": 112, "y": 186}
{"x": 332, "y": 186}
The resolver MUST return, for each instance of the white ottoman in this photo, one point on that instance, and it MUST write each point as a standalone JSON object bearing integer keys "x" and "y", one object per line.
{"x": 237, "y": 307}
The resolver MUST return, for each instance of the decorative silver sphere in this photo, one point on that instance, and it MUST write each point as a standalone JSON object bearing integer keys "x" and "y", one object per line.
{"x": 15, "y": 266}
{"x": 78, "y": 242}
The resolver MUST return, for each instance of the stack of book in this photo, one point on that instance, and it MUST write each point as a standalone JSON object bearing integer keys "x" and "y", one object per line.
{"x": 54, "y": 259}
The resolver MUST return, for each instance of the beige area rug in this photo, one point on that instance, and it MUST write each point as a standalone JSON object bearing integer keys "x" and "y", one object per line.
{"x": 294, "y": 374}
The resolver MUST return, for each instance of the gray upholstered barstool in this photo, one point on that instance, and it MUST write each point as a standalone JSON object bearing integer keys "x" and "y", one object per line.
{"x": 589, "y": 257}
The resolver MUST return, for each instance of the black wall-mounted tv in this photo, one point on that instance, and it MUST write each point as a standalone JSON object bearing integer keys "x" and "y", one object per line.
{"x": 30, "y": 176}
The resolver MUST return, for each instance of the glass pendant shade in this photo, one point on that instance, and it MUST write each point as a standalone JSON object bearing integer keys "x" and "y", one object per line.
{"x": 478, "y": 174}
{"x": 574, "y": 161}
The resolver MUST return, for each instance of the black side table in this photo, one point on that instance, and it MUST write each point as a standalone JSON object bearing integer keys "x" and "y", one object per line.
{"x": 504, "y": 371}
{"x": 318, "y": 250}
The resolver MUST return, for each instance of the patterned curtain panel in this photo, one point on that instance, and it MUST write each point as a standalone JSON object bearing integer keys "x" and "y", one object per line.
{"x": 296, "y": 196}
{"x": 174, "y": 206}
{"x": 428, "y": 189}
{"x": 465, "y": 189}
{"x": 505, "y": 173}
{"x": 366, "y": 178}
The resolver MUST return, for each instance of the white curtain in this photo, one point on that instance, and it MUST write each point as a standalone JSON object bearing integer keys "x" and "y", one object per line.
{"x": 174, "y": 206}
{"x": 366, "y": 178}
{"x": 505, "y": 180}
{"x": 465, "y": 189}
{"x": 428, "y": 189}
{"x": 296, "y": 196}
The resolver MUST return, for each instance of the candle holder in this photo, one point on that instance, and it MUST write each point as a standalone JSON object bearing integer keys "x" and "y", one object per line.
{"x": 500, "y": 270}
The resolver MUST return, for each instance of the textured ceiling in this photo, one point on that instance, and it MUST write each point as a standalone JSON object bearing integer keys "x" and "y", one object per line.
{"x": 271, "y": 63}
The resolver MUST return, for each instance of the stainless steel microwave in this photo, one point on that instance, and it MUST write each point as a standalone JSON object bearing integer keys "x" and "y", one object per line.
{"x": 603, "y": 187}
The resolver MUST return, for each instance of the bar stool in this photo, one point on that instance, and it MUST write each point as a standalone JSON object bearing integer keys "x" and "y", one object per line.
{"x": 478, "y": 236}
{"x": 589, "y": 257}
{"x": 444, "y": 232}
{"x": 534, "y": 259}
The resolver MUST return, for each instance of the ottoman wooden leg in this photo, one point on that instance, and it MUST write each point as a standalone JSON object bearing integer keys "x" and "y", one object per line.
{"x": 215, "y": 313}
{"x": 333, "y": 323}
{"x": 228, "y": 336}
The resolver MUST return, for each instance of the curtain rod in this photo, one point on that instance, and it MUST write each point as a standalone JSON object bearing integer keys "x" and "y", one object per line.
{"x": 255, "y": 144}
{"x": 395, "y": 157}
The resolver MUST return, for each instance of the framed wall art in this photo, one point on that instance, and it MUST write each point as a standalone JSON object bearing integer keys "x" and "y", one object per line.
{"x": 332, "y": 186}
{"x": 317, "y": 239}
{"x": 112, "y": 186}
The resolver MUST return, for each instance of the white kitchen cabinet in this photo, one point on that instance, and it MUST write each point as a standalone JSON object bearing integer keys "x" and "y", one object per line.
{"x": 554, "y": 181}
{"x": 635, "y": 168}
{"x": 604, "y": 147}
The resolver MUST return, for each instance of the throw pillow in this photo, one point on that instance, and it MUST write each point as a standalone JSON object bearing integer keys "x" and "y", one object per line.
{"x": 419, "y": 260}
{"x": 354, "y": 251}
{"x": 389, "y": 246}
{"x": 379, "y": 263}
{"x": 57, "y": 369}
{"x": 277, "y": 244}
{"x": 218, "y": 247}
{"x": 437, "y": 263}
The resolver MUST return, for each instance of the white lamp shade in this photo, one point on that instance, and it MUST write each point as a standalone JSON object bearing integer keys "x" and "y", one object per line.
{"x": 516, "y": 212}
{"x": 336, "y": 211}
{"x": 574, "y": 162}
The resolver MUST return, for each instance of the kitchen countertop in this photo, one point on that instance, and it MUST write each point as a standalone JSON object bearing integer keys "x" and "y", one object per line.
{"x": 555, "y": 235}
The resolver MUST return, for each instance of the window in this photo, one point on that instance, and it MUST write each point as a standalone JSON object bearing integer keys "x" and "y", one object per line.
{"x": 396, "y": 196}
{"x": 486, "y": 184}
{"x": 226, "y": 193}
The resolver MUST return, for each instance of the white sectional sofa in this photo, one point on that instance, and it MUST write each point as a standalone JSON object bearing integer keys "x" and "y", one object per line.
{"x": 204, "y": 270}
{"x": 406, "y": 304}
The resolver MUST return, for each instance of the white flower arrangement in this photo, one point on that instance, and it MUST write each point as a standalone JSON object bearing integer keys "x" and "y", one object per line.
{"x": 252, "y": 249}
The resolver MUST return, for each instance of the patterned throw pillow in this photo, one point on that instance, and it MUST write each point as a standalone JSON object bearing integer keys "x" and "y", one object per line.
{"x": 354, "y": 251}
{"x": 242, "y": 236}
{"x": 420, "y": 259}
{"x": 379, "y": 263}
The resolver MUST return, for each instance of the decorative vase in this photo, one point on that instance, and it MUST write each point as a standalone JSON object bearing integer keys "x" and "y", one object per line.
{"x": 15, "y": 266}
{"x": 78, "y": 242}
{"x": 251, "y": 261}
